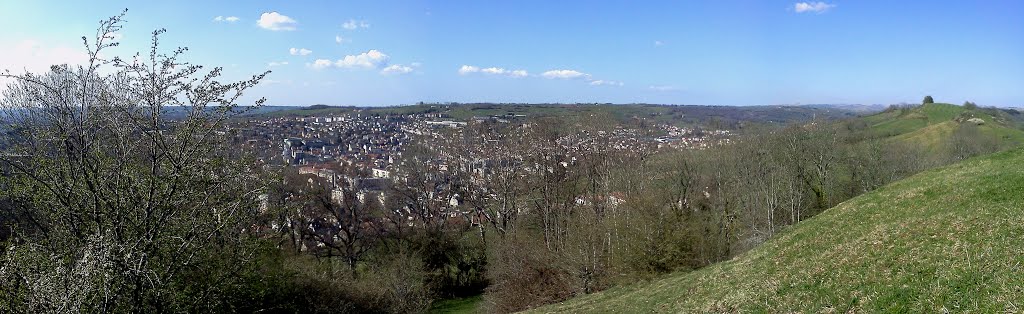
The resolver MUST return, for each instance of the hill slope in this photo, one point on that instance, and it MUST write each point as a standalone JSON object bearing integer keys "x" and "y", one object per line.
{"x": 906, "y": 120}
{"x": 932, "y": 126}
{"x": 949, "y": 238}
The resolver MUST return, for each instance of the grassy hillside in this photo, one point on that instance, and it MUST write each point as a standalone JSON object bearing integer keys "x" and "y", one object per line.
{"x": 895, "y": 122}
{"x": 946, "y": 239}
{"x": 933, "y": 125}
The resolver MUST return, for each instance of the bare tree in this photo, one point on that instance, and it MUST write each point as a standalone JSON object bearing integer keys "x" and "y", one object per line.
{"x": 339, "y": 222}
{"x": 131, "y": 204}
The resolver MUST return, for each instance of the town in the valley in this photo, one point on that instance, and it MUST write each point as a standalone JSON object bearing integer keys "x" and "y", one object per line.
{"x": 366, "y": 152}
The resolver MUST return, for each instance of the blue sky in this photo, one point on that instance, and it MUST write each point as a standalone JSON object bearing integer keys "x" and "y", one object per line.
{"x": 671, "y": 52}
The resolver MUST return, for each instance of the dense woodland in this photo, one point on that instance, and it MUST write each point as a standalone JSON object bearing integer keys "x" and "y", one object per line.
{"x": 106, "y": 205}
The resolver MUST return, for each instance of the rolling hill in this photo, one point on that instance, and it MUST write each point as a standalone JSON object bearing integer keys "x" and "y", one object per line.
{"x": 670, "y": 114}
{"x": 947, "y": 239}
{"x": 933, "y": 125}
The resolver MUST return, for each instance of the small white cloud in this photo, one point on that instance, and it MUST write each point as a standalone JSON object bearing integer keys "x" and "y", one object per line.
{"x": 353, "y": 24}
{"x": 467, "y": 69}
{"x": 321, "y": 63}
{"x": 816, "y": 7}
{"x": 605, "y": 83}
{"x": 564, "y": 74}
{"x": 229, "y": 19}
{"x": 663, "y": 88}
{"x": 276, "y": 22}
{"x": 658, "y": 43}
{"x": 275, "y": 64}
{"x": 341, "y": 40}
{"x": 396, "y": 69}
{"x": 299, "y": 51}
{"x": 369, "y": 60}
{"x": 493, "y": 70}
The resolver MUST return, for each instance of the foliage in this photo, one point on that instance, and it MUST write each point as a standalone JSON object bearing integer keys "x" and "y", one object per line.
{"x": 121, "y": 209}
{"x": 883, "y": 251}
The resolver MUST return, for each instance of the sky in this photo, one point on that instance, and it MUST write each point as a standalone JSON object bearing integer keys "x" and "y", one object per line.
{"x": 721, "y": 52}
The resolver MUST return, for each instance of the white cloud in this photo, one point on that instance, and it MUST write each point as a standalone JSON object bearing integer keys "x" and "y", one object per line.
{"x": 816, "y": 7}
{"x": 274, "y": 64}
{"x": 321, "y": 63}
{"x": 605, "y": 82}
{"x": 368, "y": 60}
{"x": 33, "y": 56}
{"x": 299, "y": 51}
{"x": 467, "y": 69}
{"x": 229, "y": 19}
{"x": 663, "y": 88}
{"x": 341, "y": 40}
{"x": 564, "y": 74}
{"x": 493, "y": 70}
{"x": 353, "y": 24}
{"x": 276, "y": 22}
{"x": 396, "y": 69}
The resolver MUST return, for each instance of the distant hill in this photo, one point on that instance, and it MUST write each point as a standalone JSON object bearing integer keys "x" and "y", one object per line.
{"x": 723, "y": 116}
{"x": 858, "y": 108}
{"x": 946, "y": 240}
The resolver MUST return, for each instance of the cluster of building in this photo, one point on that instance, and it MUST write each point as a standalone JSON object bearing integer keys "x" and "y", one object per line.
{"x": 692, "y": 138}
{"x": 364, "y": 152}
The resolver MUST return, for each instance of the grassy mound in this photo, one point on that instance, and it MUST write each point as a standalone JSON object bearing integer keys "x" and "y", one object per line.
{"x": 950, "y": 239}
{"x": 903, "y": 121}
{"x": 932, "y": 126}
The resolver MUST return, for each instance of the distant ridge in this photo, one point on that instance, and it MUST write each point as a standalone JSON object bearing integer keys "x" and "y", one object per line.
{"x": 858, "y": 108}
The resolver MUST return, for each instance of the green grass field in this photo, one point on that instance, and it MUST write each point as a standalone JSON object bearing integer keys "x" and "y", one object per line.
{"x": 457, "y": 306}
{"x": 898, "y": 122}
{"x": 946, "y": 240}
